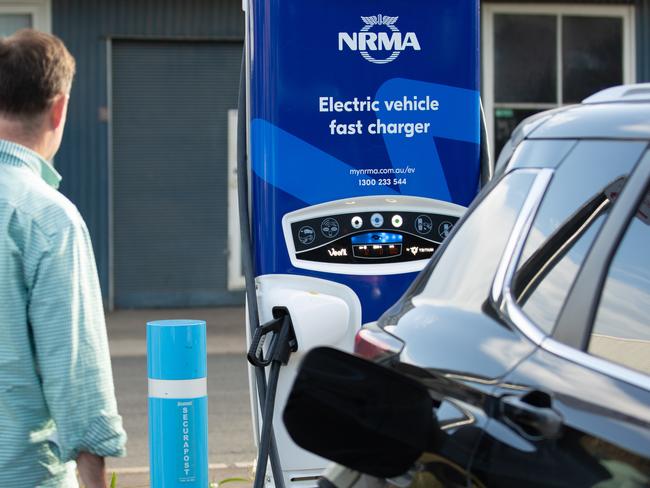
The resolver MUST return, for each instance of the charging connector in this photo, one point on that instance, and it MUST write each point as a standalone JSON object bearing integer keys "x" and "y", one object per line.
{"x": 282, "y": 343}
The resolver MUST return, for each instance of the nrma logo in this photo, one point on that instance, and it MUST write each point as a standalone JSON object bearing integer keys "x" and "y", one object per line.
{"x": 379, "y": 36}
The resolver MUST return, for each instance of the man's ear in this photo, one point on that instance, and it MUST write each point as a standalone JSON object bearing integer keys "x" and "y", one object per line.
{"x": 58, "y": 110}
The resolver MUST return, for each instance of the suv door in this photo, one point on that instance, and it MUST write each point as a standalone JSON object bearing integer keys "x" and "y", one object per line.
{"x": 443, "y": 330}
{"x": 577, "y": 411}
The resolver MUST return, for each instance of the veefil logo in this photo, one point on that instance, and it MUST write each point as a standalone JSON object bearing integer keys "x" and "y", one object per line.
{"x": 379, "y": 35}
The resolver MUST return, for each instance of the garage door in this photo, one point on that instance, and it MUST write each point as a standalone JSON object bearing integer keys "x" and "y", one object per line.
{"x": 170, "y": 113}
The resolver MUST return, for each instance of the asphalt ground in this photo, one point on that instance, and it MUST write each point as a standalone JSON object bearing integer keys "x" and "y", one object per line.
{"x": 231, "y": 446}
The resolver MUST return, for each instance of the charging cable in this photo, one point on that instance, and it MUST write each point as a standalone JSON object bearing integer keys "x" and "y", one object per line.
{"x": 268, "y": 448}
{"x": 281, "y": 345}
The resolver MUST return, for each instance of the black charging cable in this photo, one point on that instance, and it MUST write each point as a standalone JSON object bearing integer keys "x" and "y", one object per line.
{"x": 280, "y": 346}
{"x": 270, "y": 449}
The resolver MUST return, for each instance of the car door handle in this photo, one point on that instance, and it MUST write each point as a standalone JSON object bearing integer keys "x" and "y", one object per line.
{"x": 532, "y": 415}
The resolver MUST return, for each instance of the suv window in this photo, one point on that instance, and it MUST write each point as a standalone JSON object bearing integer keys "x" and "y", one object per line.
{"x": 463, "y": 273}
{"x": 571, "y": 213}
{"x": 621, "y": 331}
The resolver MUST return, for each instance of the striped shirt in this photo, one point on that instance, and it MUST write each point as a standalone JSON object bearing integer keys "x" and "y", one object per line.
{"x": 56, "y": 385}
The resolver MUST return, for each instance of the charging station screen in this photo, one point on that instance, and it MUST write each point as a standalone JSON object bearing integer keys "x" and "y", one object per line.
{"x": 360, "y": 98}
{"x": 370, "y": 237}
{"x": 377, "y": 245}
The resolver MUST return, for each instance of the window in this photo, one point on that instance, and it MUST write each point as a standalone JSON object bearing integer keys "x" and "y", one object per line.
{"x": 621, "y": 331}
{"x": 463, "y": 273}
{"x": 538, "y": 57}
{"x": 567, "y": 222}
{"x": 16, "y": 15}
{"x": 10, "y": 23}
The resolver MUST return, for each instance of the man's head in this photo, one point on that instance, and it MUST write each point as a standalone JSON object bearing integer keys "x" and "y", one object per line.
{"x": 36, "y": 72}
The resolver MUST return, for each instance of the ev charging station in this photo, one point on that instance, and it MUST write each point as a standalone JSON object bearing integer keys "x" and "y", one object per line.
{"x": 363, "y": 123}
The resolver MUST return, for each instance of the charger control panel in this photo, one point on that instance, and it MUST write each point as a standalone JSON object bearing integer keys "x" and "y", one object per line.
{"x": 369, "y": 235}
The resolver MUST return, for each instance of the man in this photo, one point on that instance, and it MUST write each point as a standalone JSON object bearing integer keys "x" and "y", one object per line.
{"x": 57, "y": 403}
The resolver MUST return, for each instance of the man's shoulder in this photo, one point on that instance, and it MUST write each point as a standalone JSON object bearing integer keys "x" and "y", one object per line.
{"x": 52, "y": 211}
{"x": 42, "y": 205}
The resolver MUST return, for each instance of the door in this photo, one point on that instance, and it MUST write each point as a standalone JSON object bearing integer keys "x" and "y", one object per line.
{"x": 451, "y": 345}
{"x": 170, "y": 103}
{"x": 576, "y": 413}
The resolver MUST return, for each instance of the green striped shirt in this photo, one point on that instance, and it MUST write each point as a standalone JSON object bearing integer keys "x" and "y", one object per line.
{"x": 56, "y": 385}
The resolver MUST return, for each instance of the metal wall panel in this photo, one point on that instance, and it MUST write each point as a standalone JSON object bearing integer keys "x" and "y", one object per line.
{"x": 86, "y": 27}
{"x": 170, "y": 116}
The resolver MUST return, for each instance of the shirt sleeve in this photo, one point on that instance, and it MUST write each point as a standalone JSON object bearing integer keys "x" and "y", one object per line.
{"x": 69, "y": 332}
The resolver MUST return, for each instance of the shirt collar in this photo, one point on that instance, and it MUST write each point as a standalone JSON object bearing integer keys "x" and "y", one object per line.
{"x": 18, "y": 155}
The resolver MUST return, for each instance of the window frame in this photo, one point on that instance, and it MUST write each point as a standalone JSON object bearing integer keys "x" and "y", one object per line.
{"x": 40, "y": 11}
{"x": 587, "y": 287}
{"x": 489, "y": 10}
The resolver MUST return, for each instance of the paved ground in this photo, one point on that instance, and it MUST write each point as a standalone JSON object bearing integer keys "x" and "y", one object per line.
{"x": 231, "y": 444}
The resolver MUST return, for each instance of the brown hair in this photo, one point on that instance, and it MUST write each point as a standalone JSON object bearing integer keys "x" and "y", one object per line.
{"x": 34, "y": 68}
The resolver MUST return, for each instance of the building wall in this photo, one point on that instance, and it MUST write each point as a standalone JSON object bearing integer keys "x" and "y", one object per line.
{"x": 86, "y": 26}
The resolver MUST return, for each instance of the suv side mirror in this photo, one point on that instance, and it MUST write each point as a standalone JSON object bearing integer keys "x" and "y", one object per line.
{"x": 359, "y": 414}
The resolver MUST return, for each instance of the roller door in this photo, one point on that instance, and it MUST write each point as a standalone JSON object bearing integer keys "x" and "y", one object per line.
{"x": 170, "y": 102}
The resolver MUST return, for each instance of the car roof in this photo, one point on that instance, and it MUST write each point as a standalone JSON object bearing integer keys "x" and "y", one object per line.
{"x": 621, "y": 112}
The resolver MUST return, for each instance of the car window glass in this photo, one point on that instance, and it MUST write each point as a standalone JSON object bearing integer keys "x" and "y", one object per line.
{"x": 571, "y": 213}
{"x": 621, "y": 330}
{"x": 464, "y": 273}
{"x": 542, "y": 295}
{"x": 546, "y": 153}
{"x": 403, "y": 305}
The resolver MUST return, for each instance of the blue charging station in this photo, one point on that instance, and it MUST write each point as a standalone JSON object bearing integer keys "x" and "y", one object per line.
{"x": 178, "y": 403}
{"x": 364, "y": 141}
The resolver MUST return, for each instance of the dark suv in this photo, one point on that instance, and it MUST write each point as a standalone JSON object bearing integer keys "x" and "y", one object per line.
{"x": 530, "y": 328}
